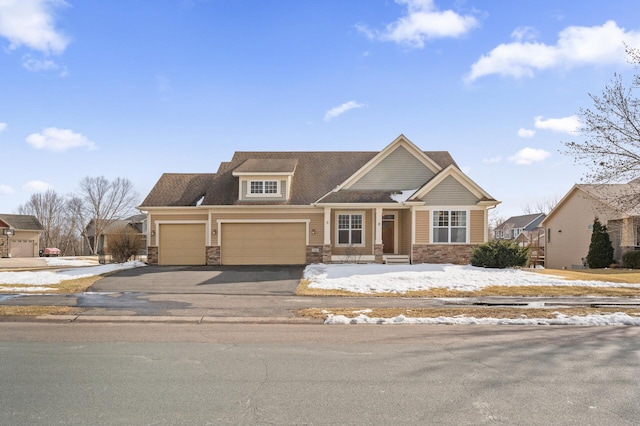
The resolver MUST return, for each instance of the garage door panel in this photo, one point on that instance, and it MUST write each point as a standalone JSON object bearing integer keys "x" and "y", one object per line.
{"x": 263, "y": 243}
{"x": 182, "y": 244}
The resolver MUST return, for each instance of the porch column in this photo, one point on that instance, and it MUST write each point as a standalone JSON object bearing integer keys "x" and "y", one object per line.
{"x": 378, "y": 248}
{"x": 378, "y": 219}
{"x": 326, "y": 247}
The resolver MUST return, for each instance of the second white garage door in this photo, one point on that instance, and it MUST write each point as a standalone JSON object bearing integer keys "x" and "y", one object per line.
{"x": 182, "y": 244}
{"x": 263, "y": 244}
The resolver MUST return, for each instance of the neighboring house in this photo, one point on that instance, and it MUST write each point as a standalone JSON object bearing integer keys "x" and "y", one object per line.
{"x": 308, "y": 207}
{"x": 515, "y": 226}
{"x": 524, "y": 230}
{"x": 19, "y": 235}
{"x": 136, "y": 222}
{"x": 569, "y": 225}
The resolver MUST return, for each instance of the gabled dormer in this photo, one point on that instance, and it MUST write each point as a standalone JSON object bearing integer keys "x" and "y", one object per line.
{"x": 265, "y": 179}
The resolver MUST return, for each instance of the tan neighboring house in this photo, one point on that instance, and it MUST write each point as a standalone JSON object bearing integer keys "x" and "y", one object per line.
{"x": 138, "y": 223}
{"x": 309, "y": 207}
{"x": 569, "y": 225}
{"x": 19, "y": 235}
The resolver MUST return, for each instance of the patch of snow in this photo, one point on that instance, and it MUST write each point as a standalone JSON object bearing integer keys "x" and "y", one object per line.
{"x": 618, "y": 318}
{"x": 47, "y": 278}
{"x": 378, "y": 278}
{"x": 403, "y": 196}
{"x": 62, "y": 261}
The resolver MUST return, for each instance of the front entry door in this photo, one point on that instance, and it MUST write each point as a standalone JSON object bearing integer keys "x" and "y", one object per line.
{"x": 388, "y": 233}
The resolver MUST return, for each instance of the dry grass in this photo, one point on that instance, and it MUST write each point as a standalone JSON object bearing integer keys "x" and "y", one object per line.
{"x": 610, "y": 275}
{"x": 37, "y": 310}
{"x": 474, "y": 312}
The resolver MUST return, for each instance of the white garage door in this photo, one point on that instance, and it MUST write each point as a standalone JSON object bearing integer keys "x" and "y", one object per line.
{"x": 263, "y": 244}
{"x": 182, "y": 244}
{"x": 22, "y": 248}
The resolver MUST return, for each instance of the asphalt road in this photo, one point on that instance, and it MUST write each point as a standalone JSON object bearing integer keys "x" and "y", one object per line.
{"x": 315, "y": 374}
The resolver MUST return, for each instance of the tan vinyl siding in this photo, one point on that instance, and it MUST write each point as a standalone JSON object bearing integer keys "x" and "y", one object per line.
{"x": 399, "y": 170}
{"x": 476, "y": 221}
{"x": 367, "y": 238}
{"x": 405, "y": 231}
{"x": 422, "y": 227}
{"x": 450, "y": 192}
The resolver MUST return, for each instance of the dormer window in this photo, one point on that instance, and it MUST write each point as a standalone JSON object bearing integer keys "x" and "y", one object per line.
{"x": 264, "y": 188}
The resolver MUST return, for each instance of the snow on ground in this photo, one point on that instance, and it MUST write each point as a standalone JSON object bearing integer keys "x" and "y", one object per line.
{"x": 64, "y": 261}
{"x": 36, "y": 281}
{"x": 618, "y": 318}
{"x": 377, "y": 278}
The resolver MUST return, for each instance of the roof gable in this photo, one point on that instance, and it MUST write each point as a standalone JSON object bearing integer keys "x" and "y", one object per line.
{"x": 448, "y": 175}
{"x": 385, "y": 165}
{"x": 522, "y": 221}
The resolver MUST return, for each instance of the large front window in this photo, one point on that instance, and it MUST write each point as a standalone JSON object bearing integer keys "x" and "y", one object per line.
{"x": 449, "y": 226}
{"x": 257, "y": 187}
{"x": 350, "y": 229}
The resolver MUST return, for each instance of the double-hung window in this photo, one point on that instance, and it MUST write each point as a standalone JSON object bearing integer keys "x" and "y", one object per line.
{"x": 263, "y": 187}
{"x": 350, "y": 227}
{"x": 449, "y": 226}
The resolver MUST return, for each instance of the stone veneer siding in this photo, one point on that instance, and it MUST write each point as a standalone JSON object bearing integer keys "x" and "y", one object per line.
{"x": 442, "y": 253}
{"x": 213, "y": 255}
{"x": 4, "y": 245}
{"x": 326, "y": 254}
{"x": 378, "y": 252}
{"x": 315, "y": 256}
{"x": 152, "y": 255}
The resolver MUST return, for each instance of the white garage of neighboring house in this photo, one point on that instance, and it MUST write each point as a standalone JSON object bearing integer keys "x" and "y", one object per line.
{"x": 19, "y": 235}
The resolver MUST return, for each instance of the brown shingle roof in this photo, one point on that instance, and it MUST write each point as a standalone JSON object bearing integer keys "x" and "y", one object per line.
{"x": 22, "y": 221}
{"x": 353, "y": 196}
{"x": 178, "y": 189}
{"x": 316, "y": 174}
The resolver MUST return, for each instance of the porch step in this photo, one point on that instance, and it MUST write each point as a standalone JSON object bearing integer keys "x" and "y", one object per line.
{"x": 397, "y": 259}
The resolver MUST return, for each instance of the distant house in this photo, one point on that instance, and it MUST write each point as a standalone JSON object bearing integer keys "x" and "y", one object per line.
{"x": 19, "y": 235}
{"x": 136, "y": 222}
{"x": 397, "y": 204}
{"x": 569, "y": 225}
{"x": 525, "y": 230}
{"x": 515, "y": 226}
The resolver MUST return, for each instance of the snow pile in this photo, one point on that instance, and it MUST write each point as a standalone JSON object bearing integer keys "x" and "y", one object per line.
{"x": 618, "y": 318}
{"x": 377, "y": 278}
{"x": 63, "y": 261}
{"x": 38, "y": 280}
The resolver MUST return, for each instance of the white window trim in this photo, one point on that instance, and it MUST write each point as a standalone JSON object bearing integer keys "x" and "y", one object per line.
{"x": 277, "y": 194}
{"x": 363, "y": 229}
{"x": 450, "y": 209}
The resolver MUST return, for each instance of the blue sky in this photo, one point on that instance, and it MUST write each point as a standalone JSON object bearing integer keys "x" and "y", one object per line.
{"x": 137, "y": 88}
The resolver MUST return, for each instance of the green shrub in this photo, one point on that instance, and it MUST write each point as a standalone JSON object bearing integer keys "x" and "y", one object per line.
{"x": 631, "y": 259}
{"x": 600, "y": 250}
{"x": 500, "y": 254}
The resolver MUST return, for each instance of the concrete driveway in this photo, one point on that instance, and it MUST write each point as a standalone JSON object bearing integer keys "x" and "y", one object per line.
{"x": 226, "y": 280}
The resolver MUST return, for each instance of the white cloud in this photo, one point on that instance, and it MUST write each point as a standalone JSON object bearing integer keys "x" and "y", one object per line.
{"x": 54, "y": 139}
{"x": 526, "y": 133}
{"x": 422, "y": 22}
{"x": 576, "y": 46}
{"x": 568, "y": 125}
{"x": 492, "y": 160}
{"x": 3, "y": 127}
{"x": 6, "y": 190}
{"x": 528, "y": 156}
{"x": 37, "y": 186}
{"x": 37, "y": 65}
{"x": 341, "y": 109}
{"x": 524, "y": 33}
{"x": 31, "y": 23}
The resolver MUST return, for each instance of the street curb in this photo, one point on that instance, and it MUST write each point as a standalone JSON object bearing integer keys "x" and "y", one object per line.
{"x": 174, "y": 319}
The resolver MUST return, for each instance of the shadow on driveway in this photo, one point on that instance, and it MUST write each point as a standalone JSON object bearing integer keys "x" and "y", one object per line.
{"x": 239, "y": 280}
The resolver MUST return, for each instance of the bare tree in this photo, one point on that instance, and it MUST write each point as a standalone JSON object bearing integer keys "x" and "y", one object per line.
{"x": 50, "y": 209}
{"x": 612, "y": 131}
{"x": 541, "y": 206}
{"x": 101, "y": 202}
{"x": 495, "y": 219}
